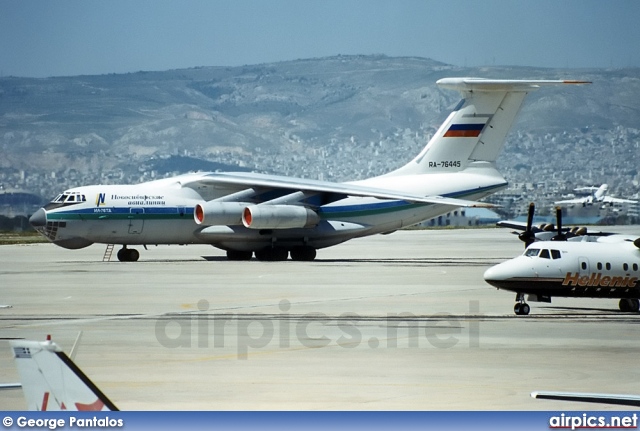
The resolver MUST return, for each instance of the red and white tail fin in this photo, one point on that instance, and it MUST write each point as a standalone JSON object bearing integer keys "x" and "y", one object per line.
{"x": 52, "y": 381}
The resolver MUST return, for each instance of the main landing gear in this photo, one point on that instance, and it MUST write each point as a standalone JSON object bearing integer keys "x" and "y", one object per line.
{"x": 275, "y": 254}
{"x": 128, "y": 254}
{"x": 631, "y": 305}
{"x": 521, "y": 308}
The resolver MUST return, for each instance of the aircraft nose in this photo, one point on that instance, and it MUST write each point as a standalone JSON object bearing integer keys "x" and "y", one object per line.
{"x": 492, "y": 273}
{"x": 498, "y": 275}
{"x": 39, "y": 218}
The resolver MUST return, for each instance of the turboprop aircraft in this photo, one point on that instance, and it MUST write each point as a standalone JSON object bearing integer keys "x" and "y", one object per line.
{"x": 598, "y": 196}
{"x": 570, "y": 263}
{"x": 52, "y": 381}
{"x": 274, "y": 216}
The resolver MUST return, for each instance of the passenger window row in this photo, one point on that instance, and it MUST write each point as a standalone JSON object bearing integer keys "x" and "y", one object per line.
{"x": 625, "y": 266}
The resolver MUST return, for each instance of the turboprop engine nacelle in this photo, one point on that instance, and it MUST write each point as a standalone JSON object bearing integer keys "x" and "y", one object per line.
{"x": 278, "y": 217}
{"x": 218, "y": 213}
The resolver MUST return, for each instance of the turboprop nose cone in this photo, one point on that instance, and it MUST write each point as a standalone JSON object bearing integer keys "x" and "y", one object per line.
{"x": 38, "y": 219}
{"x": 492, "y": 274}
{"x": 497, "y": 275}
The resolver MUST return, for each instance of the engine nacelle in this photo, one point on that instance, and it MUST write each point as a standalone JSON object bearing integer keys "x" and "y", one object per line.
{"x": 219, "y": 213}
{"x": 278, "y": 217}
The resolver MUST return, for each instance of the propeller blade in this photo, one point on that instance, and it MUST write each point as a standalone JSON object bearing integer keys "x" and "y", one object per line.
{"x": 532, "y": 208}
{"x": 528, "y": 237}
{"x": 559, "y": 236}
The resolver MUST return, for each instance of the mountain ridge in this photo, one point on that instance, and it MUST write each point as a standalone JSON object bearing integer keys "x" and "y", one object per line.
{"x": 334, "y": 118}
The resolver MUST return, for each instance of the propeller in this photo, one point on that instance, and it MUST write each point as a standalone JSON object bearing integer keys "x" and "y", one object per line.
{"x": 528, "y": 236}
{"x": 559, "y": 236}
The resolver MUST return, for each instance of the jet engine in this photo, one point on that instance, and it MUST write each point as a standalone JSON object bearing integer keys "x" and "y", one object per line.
{"x": 278, "y": 217}
{"x": 218, "y": 213}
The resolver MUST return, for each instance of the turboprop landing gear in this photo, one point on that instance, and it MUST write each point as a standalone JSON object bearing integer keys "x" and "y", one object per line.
{"x": 128, "y": 254}
{"x": 629, "y": 305}
{"x": 521, "y": 308}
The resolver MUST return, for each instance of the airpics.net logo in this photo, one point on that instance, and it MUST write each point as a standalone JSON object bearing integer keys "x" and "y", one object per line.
{"x": 249, "y": 333}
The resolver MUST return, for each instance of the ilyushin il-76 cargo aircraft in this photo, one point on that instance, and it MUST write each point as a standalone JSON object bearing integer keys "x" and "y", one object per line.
{"x": 275, "y": 217}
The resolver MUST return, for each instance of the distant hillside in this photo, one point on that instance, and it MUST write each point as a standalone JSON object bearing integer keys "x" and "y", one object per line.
{"x": 310, "y": 117}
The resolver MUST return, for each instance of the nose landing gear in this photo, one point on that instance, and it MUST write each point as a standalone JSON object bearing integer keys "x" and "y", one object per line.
{"x": 521, "y": 308}
{"x": 128, "y": 254}
{"x": 629, "y": 305}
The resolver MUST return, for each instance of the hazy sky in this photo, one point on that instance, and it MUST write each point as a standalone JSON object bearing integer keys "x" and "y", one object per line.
{"x": 50, "y": 37}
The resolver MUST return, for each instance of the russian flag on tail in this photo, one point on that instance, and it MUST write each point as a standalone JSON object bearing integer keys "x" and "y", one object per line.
{"x": 464, "y": 131}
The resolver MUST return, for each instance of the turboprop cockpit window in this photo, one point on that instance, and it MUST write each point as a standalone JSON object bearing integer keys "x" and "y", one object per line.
{"x": 545, "y": 254}
{"x": 555, "y": 254}
{"x": 532, "y": 252}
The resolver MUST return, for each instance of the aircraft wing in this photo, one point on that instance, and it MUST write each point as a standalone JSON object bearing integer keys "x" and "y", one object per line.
{"x": 609, "y": 199}
{"x": 571, "y": 201}
{"x": 522, "y": 226}
{"x": 621, "y": 400}
{"x": 10, "y": 385}
{"x": 517, "y": 225}
{"x": 277, "y": 182}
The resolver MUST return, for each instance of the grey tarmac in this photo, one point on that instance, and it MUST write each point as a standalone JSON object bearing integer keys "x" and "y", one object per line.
{"x": 396, "y": 322}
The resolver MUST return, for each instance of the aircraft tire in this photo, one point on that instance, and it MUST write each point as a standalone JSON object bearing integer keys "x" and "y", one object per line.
{"x": 279, "y": 254}
{"x": 122, "y": 255}
{"x": 275, "y": 254}
{"x": 525, "y": 309}
{"x": 516, "y": 308}
{"x": 133, "y": 255}
{"x": 628, "y": 305}
{"x": 237, "y": 255}
{"x": 303, "y": 254}
{"x": 262, "y": 255}
{"x": 623, "y": 305}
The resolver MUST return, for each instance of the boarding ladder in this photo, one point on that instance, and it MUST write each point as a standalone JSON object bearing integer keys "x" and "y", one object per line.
{"x": 107, "y": 253}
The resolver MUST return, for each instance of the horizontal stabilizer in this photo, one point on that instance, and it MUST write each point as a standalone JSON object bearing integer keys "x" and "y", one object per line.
{"x": 481, "y": 84}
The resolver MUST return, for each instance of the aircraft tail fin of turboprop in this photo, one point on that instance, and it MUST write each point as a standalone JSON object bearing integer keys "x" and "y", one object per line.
{"x": 52, "y": 381}
{"x": 477, "y": 128}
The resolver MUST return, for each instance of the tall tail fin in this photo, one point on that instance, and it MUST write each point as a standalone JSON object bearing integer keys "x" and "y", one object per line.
{"x": 52, "y": 381}
{"x": 477, "y": 128}
{"x": 601, "y": 192}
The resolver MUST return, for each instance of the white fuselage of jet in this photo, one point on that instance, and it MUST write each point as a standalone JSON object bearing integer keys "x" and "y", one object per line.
{"x": 274, "y": 217}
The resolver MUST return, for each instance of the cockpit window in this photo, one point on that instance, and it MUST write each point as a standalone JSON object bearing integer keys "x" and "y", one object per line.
{"x": 65, "y": 199}
{"x": 545, "y": 254}
{"x": 532, "y": 252}
{"x": 555, "y": 254}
